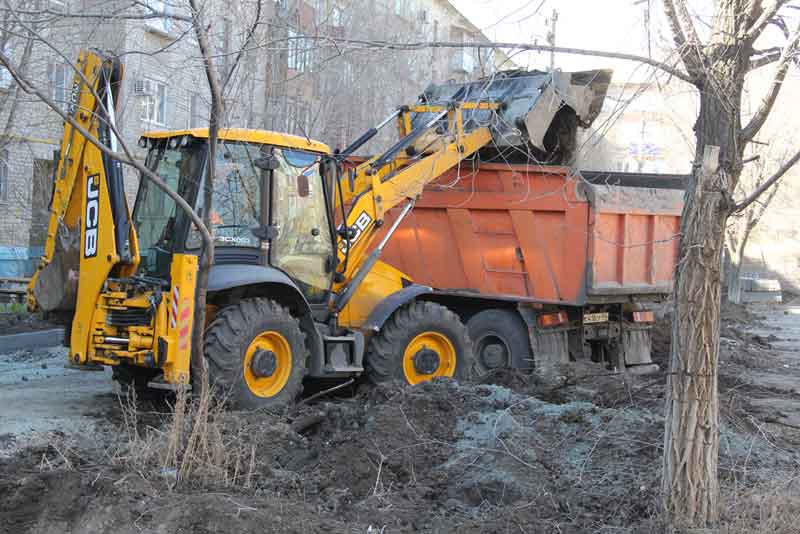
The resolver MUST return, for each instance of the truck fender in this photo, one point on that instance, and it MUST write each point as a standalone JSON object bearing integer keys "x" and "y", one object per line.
{"x": 390, "y": 304}
{"x": 222, "y": 277}
{"x": 261, "y": 281}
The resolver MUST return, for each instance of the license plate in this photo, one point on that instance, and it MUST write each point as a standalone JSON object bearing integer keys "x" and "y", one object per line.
{"x": 590, "y": 318}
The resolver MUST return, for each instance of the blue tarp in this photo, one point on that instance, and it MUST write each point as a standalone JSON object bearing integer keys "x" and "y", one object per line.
{"x": 19, "y": 261}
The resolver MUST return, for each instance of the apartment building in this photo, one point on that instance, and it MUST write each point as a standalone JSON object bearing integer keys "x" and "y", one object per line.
{"x": 313, "y": 68}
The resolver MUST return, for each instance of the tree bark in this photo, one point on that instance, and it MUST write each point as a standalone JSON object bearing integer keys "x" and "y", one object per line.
{"x": 691, "y": 441}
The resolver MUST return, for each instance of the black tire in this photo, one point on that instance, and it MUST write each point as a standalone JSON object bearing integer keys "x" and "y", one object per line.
{"x": 499, "y": 340}
{"x": 385, "y": 355}
{"x": 226, "y": 344}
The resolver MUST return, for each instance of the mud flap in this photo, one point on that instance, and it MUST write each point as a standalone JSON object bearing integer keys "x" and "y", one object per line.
{"x": 636, "y": 347}
{"x": 550, "y": 349}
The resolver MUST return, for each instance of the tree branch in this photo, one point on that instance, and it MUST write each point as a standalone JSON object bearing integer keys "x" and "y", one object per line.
{"x": 765, "y": 57}
{"x": 389, "y": 45}
{"x": 757, "y": 120}
{"x": 686, "y": 40}
{"x": 248, "y": 38}
{"x": 756, "y": 29}
{"x": 769, "y": 182}
{"x": 150, "y": 15}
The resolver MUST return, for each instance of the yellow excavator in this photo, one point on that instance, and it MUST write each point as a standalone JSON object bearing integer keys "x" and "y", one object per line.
{"x": 296, "y": 288}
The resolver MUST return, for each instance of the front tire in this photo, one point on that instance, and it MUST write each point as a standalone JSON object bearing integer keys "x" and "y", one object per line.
{"x": 256, "y": 355}
{"x": 421, "y": 341}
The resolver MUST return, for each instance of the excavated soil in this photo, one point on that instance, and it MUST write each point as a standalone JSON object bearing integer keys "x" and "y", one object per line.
{"x": 511, "y": 453}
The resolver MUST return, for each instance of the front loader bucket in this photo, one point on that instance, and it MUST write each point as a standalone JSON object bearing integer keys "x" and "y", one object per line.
{"x": 540, "y": 111}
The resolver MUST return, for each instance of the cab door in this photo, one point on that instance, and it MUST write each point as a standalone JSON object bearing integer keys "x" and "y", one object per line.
{"x": 302, "y": 246}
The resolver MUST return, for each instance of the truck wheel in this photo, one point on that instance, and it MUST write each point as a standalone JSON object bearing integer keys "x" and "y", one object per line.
{"x": 419, "y": 342}
{"x": 256, "y": 354}
{"x": 500, "y": 340}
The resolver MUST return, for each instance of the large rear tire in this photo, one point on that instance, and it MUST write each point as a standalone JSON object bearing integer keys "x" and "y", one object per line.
{"x": 500, "y": 341}
{"x": 421, "y": 341}
{"x": 256, "y": 355}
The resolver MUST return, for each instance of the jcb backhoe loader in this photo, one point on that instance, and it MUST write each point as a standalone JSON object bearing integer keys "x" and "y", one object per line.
{"x": 296, "y": 288}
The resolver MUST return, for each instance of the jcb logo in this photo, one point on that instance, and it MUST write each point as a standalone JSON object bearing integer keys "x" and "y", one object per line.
{"x": 362, "y": 223}
{"x": 91, "y": 216}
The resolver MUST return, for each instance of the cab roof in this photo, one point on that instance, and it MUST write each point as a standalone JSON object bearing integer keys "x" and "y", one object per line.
{"x": 265, "y": 137}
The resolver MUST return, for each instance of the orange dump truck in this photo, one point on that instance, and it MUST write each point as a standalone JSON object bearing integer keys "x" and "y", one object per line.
{"x": 544, "y": 265}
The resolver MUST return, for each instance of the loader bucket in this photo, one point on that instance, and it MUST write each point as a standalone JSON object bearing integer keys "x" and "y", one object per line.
{"x": 540, "y": 111}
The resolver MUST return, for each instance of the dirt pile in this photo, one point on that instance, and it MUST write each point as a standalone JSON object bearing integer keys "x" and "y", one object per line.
{"x": 432, "y": 458}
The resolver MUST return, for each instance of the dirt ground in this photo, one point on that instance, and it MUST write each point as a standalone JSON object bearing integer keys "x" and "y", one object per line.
{"x": 511, "y": 454}
{"x": 16, "y": 322}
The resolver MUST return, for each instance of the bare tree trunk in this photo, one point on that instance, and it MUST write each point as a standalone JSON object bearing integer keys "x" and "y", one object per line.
{"x": 207, "y": 256}
{"x": 691, "y": 441}
{"x": 737, "y": 258}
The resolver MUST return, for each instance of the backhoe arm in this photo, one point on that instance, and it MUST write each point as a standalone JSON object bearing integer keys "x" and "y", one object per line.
{"x": 89, "y": 231}
{"x": 383, "y": 182}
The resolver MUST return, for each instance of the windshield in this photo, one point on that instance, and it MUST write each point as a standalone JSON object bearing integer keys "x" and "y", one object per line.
{"x": 235, "y": 205}
{"x": 155, "y": 215}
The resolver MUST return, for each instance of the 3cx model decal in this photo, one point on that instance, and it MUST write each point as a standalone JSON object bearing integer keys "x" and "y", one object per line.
{"x": 91, "y": 216}
{"x": 362, "y": 223}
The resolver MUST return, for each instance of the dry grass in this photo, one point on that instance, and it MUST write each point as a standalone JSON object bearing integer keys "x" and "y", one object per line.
{"x": 765, "y": 509}
{"x": 196, "y": 446}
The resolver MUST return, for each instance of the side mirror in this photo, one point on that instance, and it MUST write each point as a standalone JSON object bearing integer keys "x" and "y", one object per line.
{"x": 266, "y": 163}
{"x": 303, "y": 188}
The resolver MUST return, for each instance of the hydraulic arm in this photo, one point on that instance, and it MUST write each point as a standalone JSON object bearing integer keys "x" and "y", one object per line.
{"x": 382, "y": 182}
{"x": 87, "y": 276}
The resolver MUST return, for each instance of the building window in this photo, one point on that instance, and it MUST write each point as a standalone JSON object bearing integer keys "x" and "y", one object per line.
{"x": 59, "y": 83}
{"x": 4, "y": 174}
{"x": 298, "y": 52}
{"x": 163, "y": 23}
{"x": 154, "y": 100}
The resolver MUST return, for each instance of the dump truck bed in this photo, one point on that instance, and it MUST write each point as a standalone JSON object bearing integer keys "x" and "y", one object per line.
{"x": 546, "y": 234}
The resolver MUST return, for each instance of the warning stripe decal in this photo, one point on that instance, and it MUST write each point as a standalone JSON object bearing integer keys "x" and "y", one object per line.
{"x": 174, "y": 315}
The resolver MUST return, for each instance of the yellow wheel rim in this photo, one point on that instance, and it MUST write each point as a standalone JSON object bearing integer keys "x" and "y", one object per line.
{"x": 268, "y": 386}
{"x": 445, "y": 361}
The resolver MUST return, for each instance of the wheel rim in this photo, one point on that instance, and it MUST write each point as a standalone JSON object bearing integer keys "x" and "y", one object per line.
{"x": 429, "y": 351}
{"x": 274, "y": 347}
{"x": 493, "y": 352}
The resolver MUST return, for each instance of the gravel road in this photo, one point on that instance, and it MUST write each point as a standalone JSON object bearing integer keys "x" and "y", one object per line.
{"x": 38, "y": 395}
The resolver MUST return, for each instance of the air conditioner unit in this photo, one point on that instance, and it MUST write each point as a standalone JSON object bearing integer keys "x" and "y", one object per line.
{"x": 142, "y": 88}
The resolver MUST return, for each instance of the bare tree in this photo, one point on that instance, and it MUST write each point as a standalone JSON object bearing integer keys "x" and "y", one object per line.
{"x": 217, "y": 83}
{"x": 743, "y": 223}
{"x": 717, "y": 67}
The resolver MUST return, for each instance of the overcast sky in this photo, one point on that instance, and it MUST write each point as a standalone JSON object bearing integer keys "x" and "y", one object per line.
{"x": 609, "y": 25}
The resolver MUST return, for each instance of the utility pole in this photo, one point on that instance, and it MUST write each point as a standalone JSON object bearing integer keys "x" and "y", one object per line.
{"x": 551, "y": 37}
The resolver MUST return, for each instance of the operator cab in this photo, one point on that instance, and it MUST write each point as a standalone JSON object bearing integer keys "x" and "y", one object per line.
{"x": 269, "y": 204}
